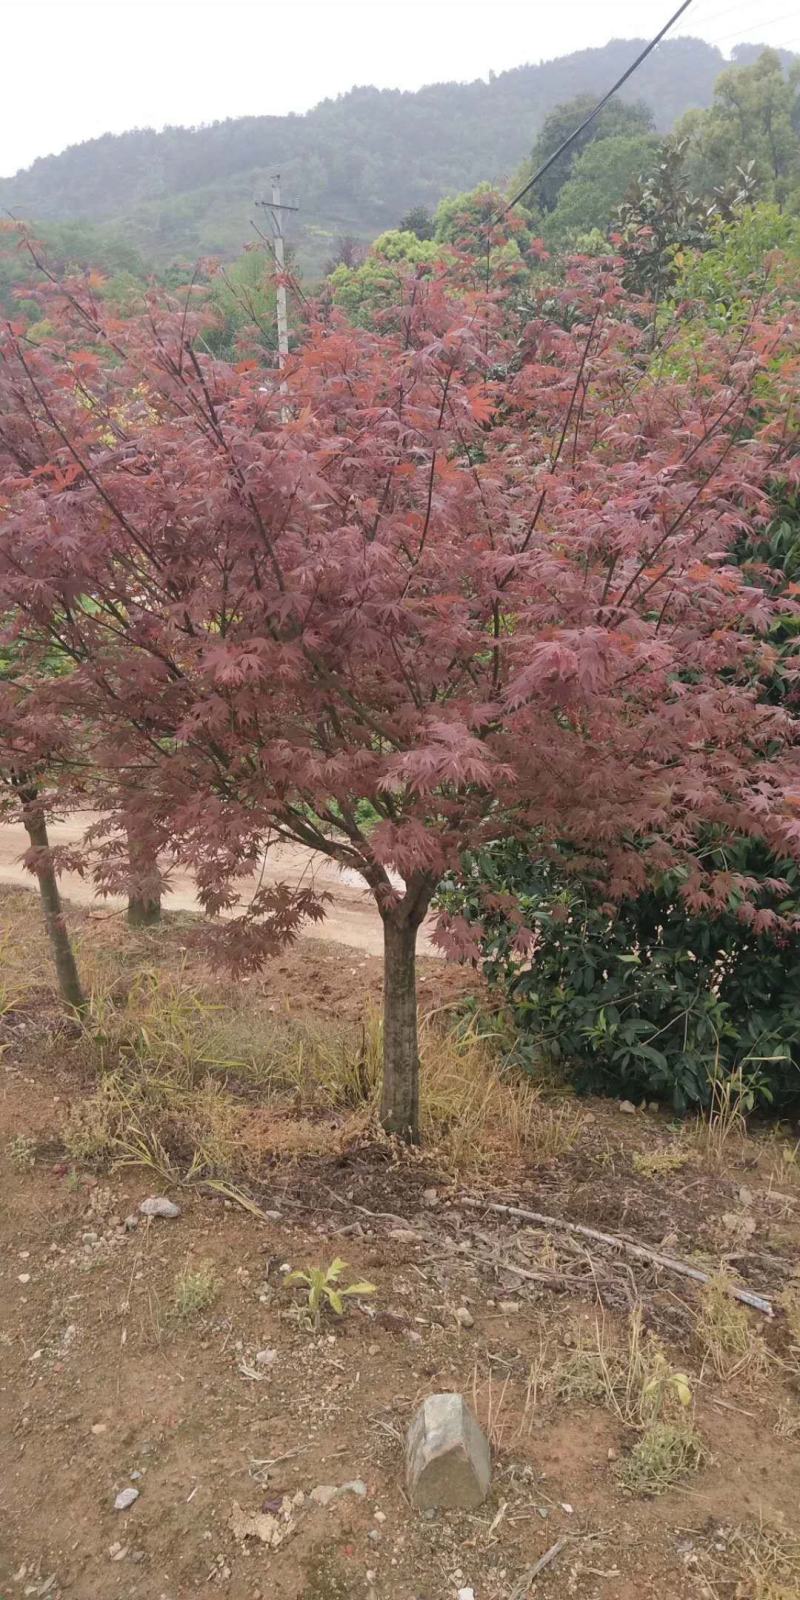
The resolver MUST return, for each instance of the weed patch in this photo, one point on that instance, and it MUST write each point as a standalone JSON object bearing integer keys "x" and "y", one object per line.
{"x": 196, "y": 1289}
{"x": 731, "y": 1346}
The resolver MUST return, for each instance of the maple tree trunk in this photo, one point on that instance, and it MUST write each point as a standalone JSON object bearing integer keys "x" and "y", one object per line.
{"x": 144, "y": 903}
{"x": 400, "y": 1097}
{"x": 69, "y": 982}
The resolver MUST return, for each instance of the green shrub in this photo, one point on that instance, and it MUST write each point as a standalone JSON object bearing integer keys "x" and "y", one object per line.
{"x": 651, "y": 1001}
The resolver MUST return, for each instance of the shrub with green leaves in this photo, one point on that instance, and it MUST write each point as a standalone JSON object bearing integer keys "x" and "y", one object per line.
{"x": 650, "y": 1000}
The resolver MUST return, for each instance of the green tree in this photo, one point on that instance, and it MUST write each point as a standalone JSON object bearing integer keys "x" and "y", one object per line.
{"x": 660, "y": 218}
{"x": 243, "y": 297}
{"x": 617, "y": 119}
{"x": 600, "y": 179}
{"x": 751, "y": 130}
{"x": 377, "y": 282}
{"x": 419, "y": 221}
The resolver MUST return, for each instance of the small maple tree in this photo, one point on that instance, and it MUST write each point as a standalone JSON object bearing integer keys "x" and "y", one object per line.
{"x": 459, "y": 578}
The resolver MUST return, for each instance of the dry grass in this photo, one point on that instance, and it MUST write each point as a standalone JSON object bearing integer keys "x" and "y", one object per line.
{"x": 22, "y": 1152}
{"x": 725, "y": 1122}
{"x": 761, "y": 1563}
{"x": 196, "y": 1289}
{"x": 194, "y": 1087}
{"x": 731, "y": 1346}
{"x": 626, "y": 1372}
{"x": 659, "y": 1163}
{"x": 787, "y": 1422}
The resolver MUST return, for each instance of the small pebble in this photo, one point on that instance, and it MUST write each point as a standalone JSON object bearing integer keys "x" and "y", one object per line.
{"x": 266, "y": 1358}
{"x": 24, "y": 1277}
{"x": 99, "y": 1427}
{"x": 508, "y": 1307}
{"x": 89, "y": 1238}
{"x": 463, "y": 1317}
{"x": 125, "y": 1499}
{"x": 628, "y": 1107}
{"x": 156, "y": 1205}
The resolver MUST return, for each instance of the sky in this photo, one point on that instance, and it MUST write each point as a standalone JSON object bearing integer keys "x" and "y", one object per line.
{"x": 74, "y": 69}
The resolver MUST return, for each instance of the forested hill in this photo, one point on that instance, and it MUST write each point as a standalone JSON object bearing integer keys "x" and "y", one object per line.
{"x": 353, "y": 164}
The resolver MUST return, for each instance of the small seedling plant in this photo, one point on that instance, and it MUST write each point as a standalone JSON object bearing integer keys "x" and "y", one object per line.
{"x": 324, "y": 1288}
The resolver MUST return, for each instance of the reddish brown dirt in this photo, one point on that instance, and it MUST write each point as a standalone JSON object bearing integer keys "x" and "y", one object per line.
{"x": 99, "y": 1379}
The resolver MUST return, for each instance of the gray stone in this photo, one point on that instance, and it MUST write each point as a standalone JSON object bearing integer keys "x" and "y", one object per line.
{"x": 447, "y": 1455}
{"x": 326, "y": 1492}
{"x": 628, "y": 1107}
{"x": 157, "y": 1206}
{"x": 323, "y": 1494}
{"x": 125, "y": 1499}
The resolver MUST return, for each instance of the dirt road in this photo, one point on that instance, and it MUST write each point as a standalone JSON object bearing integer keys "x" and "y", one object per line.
{"x": 351, "y": 918}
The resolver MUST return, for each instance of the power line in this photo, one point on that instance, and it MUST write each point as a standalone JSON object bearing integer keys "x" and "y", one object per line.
{"x": 628, "y": 73}
{"x": 767, "y": 22}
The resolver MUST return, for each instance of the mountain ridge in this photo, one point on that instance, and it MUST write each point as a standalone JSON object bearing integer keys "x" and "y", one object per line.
{"x": 355, "y": 163}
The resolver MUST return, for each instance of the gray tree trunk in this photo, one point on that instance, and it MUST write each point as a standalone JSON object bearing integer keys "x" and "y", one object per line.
{"x": 144, "y": 901}
{"x": 400, "y": 1097}
{"x": 69, "y": 982}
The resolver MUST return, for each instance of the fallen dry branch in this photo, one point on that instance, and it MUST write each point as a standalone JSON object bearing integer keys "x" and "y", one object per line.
{"x": 616, "y": 1242}
{"x": 529, "y": 1577}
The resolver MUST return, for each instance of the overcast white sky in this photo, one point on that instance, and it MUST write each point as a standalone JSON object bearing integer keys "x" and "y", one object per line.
{"x": 73, "y": 69}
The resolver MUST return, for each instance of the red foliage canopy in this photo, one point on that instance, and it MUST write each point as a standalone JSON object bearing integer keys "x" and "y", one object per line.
{"x": 462, "y": 577}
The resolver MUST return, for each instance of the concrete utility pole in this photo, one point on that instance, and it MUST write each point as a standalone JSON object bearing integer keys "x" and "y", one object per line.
{"x": 275, "y": 206}
{"x": 277, "y": 234}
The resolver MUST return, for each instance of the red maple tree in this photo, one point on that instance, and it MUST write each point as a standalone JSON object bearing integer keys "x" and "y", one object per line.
{"x": 462, "y": 577}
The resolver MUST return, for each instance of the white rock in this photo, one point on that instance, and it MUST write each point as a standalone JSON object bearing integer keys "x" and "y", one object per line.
{"x": 157, "y": 1206}
{"x": 323, "y": 1494}
{"x": 125, "y": 1499}
{"x": 628, "y": 1107}
{"x": 24, "y": 1277}
{"x": 466, "y": 1594}
{"x": 447, "y": 1455}
{"x": 266, "y": 1358}
{"x": 464, "y": 1317}
{"x": 326, "y": 1492}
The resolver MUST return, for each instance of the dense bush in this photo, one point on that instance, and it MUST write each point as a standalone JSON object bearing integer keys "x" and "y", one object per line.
{"x": 646, "y": 1000}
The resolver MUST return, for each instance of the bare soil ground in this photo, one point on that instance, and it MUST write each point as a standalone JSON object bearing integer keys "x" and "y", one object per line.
{"x": 351, "y": 918}
{"x": 112, "y": 1377}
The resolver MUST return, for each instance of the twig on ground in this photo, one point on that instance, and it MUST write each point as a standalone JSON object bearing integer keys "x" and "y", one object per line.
{"x": 616, "y": 1242}
{"x": 531, "y": 1574}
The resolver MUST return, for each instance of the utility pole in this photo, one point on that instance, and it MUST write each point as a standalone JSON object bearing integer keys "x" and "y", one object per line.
{"x": 277, "y": 230}
{"x": 275, "y": 207}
